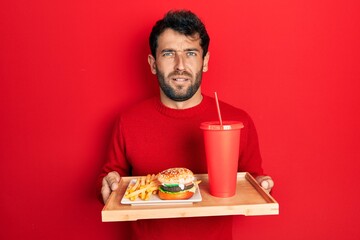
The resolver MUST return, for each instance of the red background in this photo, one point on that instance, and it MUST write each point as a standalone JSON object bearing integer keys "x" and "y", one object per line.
{"x": 67, "y": 68}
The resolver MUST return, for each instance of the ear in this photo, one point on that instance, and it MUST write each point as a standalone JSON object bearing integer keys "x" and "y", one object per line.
{"x": 152, "y": 63}
{"x": 206, "y": 62}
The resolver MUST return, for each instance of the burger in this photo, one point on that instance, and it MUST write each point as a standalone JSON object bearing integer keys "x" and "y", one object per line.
{"x": 176, "y": 184}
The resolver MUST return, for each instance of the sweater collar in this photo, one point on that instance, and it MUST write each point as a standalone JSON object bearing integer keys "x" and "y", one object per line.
{"x": 183, "y": 113}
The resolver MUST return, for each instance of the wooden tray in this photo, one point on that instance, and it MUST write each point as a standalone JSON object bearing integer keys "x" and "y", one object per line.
{"x": 250, "y": 200}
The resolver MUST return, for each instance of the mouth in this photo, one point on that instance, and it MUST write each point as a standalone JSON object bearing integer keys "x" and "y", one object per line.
{"x": 179, "y": 79}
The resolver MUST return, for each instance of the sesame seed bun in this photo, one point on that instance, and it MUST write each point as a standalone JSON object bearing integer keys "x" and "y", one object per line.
{"x": 176, "y": 176}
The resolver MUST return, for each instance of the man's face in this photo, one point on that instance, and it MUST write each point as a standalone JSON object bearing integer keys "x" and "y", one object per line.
{"x": 179, "y": 64}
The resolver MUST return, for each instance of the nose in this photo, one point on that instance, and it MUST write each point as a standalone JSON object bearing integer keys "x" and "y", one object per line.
{"x": 179, "y": 62}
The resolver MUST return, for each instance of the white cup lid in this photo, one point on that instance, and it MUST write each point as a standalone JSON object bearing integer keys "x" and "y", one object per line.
{"x": 227, "y": 125}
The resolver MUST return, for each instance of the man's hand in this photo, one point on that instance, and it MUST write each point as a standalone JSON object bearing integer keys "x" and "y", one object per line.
{"x": 265, "y": 182}
{"x": 109, "y": 183}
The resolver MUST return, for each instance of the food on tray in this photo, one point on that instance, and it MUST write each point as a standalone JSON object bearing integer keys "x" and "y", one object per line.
{"x": 170, "y": 184}
{"x": 176, "y": 184}
{"x": 143, "y": 188}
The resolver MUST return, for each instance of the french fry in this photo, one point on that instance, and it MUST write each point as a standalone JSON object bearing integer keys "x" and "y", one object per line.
{"x": 147, "y": 195}
{"x": 135, "y": 193}
{"x": 143, "y": 188}
{"x": 149, "y": 187}
{"x": 148, "y": 179}
{"x": 142, "y": 185}
{"x": 135, "y": 186}
{"x": 128, "y": 188}
{"x": 142, "y": 181}
{"x": 153, "y": 177}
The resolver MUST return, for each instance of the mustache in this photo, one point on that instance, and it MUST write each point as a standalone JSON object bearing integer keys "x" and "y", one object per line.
{"x": 180, "y": 73}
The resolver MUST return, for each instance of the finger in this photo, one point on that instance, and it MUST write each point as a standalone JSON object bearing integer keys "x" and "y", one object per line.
{"x": 267, "y": 184}
{"x": 105, "y": 191}
{"x": 109, "y": 183}
{"x": 114, "y": 175}
{"x": 112, "y": 180}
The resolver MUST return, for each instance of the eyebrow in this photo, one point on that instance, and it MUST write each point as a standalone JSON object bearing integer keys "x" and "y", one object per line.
{"x": 167, "y": 50}
{"x": 185, "y": 50}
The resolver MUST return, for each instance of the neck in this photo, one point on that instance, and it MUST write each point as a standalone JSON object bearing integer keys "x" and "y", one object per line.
{"x": 192, "y": 102}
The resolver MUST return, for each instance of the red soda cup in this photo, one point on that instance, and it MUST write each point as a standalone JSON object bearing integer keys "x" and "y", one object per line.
{"x": 222, "y": 142}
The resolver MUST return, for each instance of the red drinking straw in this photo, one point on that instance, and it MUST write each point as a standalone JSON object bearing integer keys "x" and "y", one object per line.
{"x": 218, "y": 108}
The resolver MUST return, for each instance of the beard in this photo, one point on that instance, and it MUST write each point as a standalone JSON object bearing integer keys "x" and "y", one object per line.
{"x": 178, "y": 93}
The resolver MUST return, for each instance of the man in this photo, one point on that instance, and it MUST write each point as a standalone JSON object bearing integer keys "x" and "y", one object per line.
{"x": 164, "y": 132}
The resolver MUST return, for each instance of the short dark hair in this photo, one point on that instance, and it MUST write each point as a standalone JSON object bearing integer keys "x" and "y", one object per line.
{"x": 182, "y": 21}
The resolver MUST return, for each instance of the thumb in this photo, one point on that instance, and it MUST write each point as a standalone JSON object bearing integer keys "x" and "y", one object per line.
{"x": 266, "y": 182}
{"x": 113, "y": 180}
{"x": 114, "y": 185}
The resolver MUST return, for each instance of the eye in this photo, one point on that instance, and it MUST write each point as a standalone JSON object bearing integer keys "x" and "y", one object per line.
{"x": 168, "y": 54}
{"x": 191, "y": 53}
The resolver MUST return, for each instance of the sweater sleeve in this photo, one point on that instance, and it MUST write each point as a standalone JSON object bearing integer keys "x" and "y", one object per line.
{"x": 116, "y": 160}
{"x": 250, "y": 157}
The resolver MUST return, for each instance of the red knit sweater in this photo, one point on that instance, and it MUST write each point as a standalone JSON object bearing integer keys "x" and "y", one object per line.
{"x": 152, "y": 137}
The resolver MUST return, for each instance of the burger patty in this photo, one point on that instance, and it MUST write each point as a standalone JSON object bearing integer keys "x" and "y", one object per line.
{"x": 176, "y": 188}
